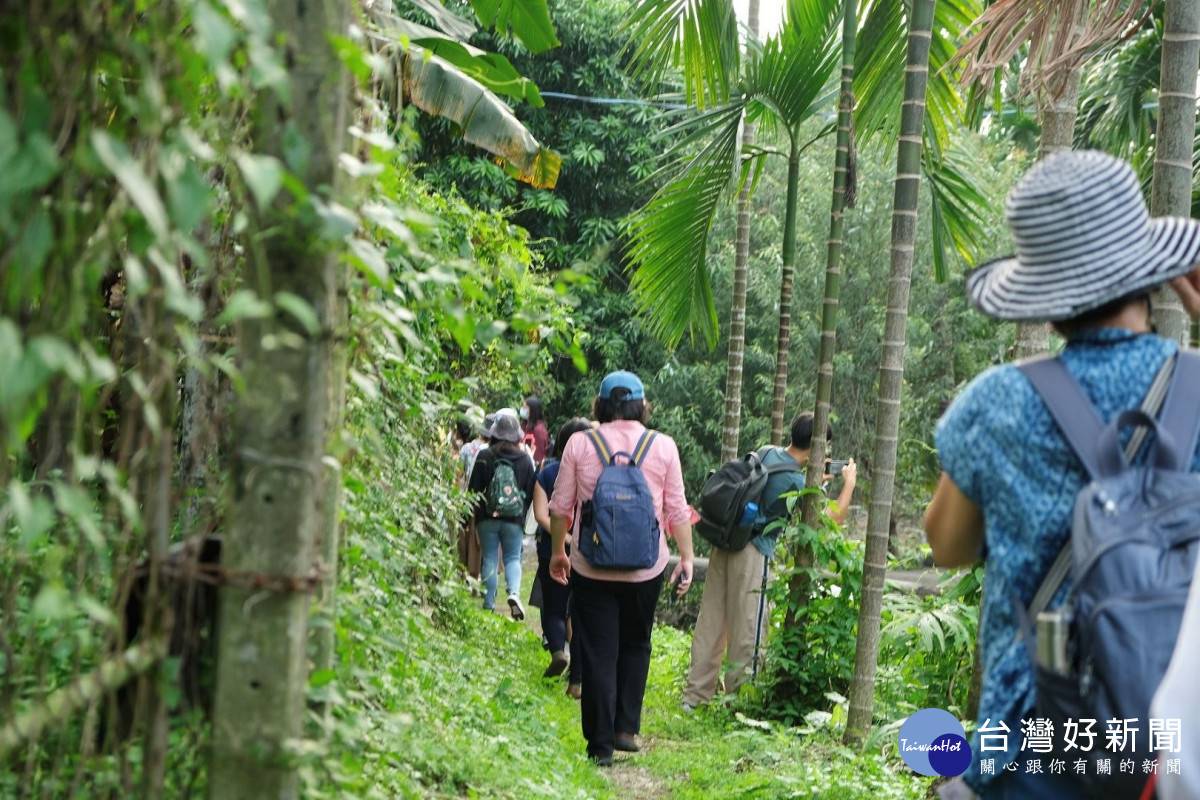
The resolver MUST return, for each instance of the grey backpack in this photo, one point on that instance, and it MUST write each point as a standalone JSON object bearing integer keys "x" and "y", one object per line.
{"x": 1131, "y": 555}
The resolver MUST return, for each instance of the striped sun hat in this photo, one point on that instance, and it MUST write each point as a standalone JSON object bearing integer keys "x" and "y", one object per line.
{"x": 1084, "y": 238}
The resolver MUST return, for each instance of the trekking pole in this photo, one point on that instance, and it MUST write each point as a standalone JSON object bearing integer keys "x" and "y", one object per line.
{"x": 762, "y": 602}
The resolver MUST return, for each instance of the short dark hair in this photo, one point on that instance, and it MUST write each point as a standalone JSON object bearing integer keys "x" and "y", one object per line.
{"x": 569, "y": 429}
{"x": 802, "y": 430}
{"x": 618, "y": 406}
{"x": 1067, "y": 328}
{"x": 465, "y": 429}
{"x": 536, "y": 412}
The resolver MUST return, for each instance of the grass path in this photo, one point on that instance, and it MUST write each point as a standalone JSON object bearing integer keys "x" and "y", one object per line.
{"x": 718, "y": 753}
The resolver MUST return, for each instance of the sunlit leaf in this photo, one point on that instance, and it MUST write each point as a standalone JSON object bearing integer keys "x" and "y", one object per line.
{"x": 116, "y": 157}
{"x": 527, "y": 20}
{"x": 263, "y": 175}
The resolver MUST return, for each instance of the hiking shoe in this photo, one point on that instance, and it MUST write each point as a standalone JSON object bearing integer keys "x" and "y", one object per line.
{"x": 558, "y": 662}
{"x": 514, "y": 606}
{"x": 601, "y": 761}
{"x": 575, "y": 690}
{"x": 626, "y": 743}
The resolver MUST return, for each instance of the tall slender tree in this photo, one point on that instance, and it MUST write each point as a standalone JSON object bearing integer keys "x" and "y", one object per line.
{"x": 843, "y": 189}
{"x": 1171, "y": 190}
{"x": 280, "y": 429}
{"x": 891, "y": 368}
{"x": 731, "y": 427}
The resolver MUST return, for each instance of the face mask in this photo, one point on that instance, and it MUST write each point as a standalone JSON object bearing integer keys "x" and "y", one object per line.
{"x": 524, "y": 412}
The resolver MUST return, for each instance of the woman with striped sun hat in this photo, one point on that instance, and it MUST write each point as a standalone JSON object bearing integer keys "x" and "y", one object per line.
{"x": 1088, "y": 256}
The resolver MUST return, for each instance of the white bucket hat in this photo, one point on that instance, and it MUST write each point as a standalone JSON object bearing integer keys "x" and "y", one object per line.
{"x": 1084, "y": 238}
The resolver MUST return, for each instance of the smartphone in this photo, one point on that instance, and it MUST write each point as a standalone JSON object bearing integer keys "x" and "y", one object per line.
{"x": 834, "y": 467}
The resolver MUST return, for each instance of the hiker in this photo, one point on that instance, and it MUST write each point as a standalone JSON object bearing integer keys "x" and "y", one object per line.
{"x": 1088, "y": 257}
{"x": 503, "y": 477}
{"x": 554, "y": 594}
{"x": 733, "y": 612}
{"x": 533, "y": 423}
{"x": 621, "y": 486}
{"x": 468, "y": 538}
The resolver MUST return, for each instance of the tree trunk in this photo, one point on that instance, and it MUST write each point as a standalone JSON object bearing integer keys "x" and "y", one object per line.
{"x": 1171, "y": 194}
{"x": 1056, "y": 113}
{"x": 798, "y": 587}
{"x": 833, "y": 262}
{"x": 731, "y": 428}
{"x": 329, "y": 514}
{"x": 891, "y": 370}
{"x": 787, "y": 279}
{"x": 280, "y": 435}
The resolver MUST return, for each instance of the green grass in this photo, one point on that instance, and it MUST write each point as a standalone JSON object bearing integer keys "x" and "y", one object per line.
{"x": 718, "y": 753}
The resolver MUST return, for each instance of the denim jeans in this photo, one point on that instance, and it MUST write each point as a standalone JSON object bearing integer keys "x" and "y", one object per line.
{"x": 507, "y": 536}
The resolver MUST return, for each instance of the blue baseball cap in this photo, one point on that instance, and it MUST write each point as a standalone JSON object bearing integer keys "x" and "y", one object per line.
{"x": 622, "y": 380}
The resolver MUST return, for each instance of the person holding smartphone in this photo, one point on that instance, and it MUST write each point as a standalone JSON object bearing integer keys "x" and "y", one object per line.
{"x": 733, "y": 616}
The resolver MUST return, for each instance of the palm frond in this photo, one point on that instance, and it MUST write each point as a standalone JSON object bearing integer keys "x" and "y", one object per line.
{"x": 669, "y": 235}
{"x": 792, "y": 72}
{"x": 958, "y": 206}
{"x": 1059, "y": 35}
{"x": 1117, "y": 102}
{"x": 879, "y": 73}
{"x": 699, "y": 38}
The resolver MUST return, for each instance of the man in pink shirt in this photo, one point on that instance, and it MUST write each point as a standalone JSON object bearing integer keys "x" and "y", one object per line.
{"x": 612, "y": 610}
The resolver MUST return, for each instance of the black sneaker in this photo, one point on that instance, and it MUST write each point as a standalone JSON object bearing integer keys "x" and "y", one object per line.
{"x": 514, "y": 606}
{"x": 602, "y": 761}
{"x": 558, "y": 663}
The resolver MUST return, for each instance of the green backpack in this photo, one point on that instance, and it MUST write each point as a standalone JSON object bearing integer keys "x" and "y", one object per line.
{"x": 504, "y": 495}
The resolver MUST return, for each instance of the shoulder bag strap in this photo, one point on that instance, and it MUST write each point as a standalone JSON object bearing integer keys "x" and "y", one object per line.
{"x": 1151, "y": 404}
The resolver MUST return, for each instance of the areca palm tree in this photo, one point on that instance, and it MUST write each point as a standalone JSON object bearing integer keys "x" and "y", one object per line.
{"x": 732, "y": 424}
{"x": 891, "y": 368}
{"x": 779, "y": 89}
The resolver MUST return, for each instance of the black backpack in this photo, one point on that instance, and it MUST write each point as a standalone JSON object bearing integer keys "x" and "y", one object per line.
{"x": 725, "y": 495}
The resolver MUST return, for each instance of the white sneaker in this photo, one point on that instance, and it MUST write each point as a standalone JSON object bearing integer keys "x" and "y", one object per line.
{"x": 688, "y": 708}
{"x": 515, "y": 607}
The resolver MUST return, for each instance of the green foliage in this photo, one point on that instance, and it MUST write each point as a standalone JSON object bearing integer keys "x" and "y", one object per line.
{"x": 927, "y": 647}
{"x": 815, "y": 656}
{"x": 727, "y": 750}
{"x": 782, "y": 86}
{"x": 431, "y": 695}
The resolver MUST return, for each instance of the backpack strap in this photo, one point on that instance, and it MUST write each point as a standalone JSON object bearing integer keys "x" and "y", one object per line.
{"x": 602, "y": 448}
{"x": 1151, "y": 404}
{"x": 643, "y": 447}
{"x": 1179, "y": 415}
{"x": 1071, "y": 409}
{"x": 783, "y": 466}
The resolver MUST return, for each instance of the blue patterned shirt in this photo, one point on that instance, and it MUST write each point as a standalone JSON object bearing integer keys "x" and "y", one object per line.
{"x": 1002, "y": 449}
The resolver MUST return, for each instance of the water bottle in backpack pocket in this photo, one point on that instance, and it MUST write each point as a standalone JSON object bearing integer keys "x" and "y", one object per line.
{"x": 618, "y": 527}
{"x": 1133, "y": 547}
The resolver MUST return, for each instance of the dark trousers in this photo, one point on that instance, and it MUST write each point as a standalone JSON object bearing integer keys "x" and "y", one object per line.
{"x": 555, "y": 605}
{"x": 612, "y": 623}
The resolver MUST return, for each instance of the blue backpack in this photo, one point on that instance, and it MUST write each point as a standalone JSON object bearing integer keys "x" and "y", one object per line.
{"x": 1131, "y": 556}
{"x": 618, "y": 528}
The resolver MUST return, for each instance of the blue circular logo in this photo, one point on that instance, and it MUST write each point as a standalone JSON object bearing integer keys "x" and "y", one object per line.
{"x": 933, "y": 742}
